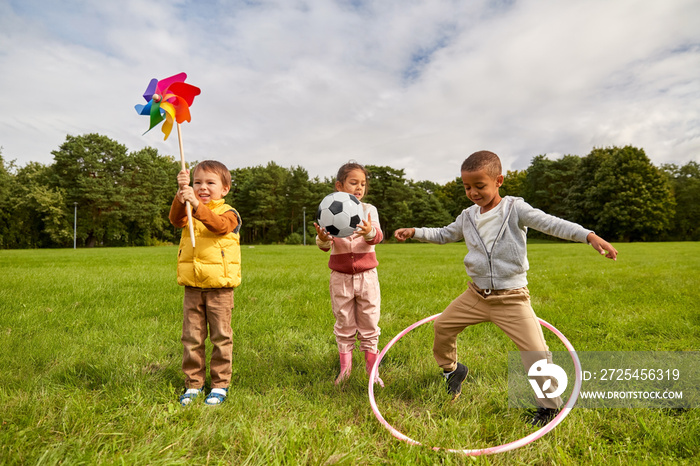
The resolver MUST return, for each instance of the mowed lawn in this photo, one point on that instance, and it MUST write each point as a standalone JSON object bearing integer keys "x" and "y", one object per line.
{"x": 90, "y": 360}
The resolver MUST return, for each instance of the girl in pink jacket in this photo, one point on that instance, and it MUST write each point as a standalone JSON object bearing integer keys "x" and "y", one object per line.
{"x": 354, "y": 286}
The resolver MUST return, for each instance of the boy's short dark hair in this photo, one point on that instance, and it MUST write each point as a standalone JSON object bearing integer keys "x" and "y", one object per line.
{"x": 215, "y": 167}
{"x": 483, "y": 160}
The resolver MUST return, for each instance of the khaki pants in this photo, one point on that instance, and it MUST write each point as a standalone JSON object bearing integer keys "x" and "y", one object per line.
{"x": 202, "y": 307}
{"x": 356, "y": 300}
{"x": 511, "y": 311}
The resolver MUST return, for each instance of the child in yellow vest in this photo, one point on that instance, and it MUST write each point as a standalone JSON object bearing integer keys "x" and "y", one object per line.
{"x": 209, "y": 272}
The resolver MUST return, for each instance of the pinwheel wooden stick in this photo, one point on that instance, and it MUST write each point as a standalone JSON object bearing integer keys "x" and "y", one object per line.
{"x": 184, "y": 167}
{"x": 169, "y": 99}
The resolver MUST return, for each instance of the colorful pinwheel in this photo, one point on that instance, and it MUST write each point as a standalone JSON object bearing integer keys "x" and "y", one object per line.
{"x": 168, "y": 99}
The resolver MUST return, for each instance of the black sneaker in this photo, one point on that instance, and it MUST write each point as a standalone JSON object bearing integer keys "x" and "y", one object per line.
{"x": 543, "y": 416}
{"x": 455, "y": 379}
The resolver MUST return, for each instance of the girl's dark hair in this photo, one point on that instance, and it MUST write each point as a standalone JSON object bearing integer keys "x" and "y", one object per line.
{"x": 345, "y": 170}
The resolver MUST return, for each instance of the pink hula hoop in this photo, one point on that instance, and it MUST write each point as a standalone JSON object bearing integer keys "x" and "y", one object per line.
{"x": 490, "y": 450}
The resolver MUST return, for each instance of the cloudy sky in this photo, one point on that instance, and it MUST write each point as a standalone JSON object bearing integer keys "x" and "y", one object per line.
{"x": 412, "y": 84}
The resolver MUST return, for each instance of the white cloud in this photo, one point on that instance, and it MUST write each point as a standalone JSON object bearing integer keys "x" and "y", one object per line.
{"x": 410, "y": 84}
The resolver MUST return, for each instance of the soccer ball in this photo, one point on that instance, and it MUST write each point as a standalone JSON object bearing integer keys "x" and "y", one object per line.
{"x": 339, "y": 214}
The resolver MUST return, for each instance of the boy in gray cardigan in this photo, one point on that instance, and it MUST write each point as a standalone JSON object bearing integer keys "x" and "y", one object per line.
{"x": 495, "y": 231}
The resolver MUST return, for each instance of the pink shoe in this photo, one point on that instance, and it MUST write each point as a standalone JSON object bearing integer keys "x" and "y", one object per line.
{"x": 370, "y": 360}
{"x": 345, "y": 367}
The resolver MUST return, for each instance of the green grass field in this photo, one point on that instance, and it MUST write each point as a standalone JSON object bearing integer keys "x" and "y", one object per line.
{"x": 90, "y": 360}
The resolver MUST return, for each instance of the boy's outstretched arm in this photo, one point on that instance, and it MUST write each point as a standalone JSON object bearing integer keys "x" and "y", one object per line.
{"x": 602, "y": 246}
{"x": 402, "y": 234}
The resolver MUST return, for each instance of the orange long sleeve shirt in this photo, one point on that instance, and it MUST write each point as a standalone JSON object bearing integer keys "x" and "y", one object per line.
{"x": 218, "y": 224}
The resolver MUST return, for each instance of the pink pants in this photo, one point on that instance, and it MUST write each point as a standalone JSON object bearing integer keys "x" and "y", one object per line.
{"x": 355, "y": 300}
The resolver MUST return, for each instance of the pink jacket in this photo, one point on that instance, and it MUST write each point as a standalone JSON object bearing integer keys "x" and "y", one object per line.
{"x": 354, "y": 255}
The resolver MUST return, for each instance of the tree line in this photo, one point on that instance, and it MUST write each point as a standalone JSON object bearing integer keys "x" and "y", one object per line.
{"x": 123, "y": 198}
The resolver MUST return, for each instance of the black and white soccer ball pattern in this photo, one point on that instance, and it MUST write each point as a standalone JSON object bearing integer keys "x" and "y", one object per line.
{"x": 339, "y": 214}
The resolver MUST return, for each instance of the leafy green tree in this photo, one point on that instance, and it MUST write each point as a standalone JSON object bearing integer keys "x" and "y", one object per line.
{"x": 271, "y": 201}
{"x": 390, "y": 194}
{"x": 582, "y": 201}
{"x": 7, "y": 204}
{"x": 239, "y": 197}
{"x": 514, "y": 183}
{"x": 41, "y": 214}
{"x": 453, "y": 197}
{"x": 425, "y": 206}
{"x": 628, "y": 198}
{"x": 124, "y": 199}
{"x": 32, "y": 212}
{"x": 260, "y": 198}
{"x": 685, "y": 183}
{"x": 318, "y": 189}
{"x": 547, "y": 183}
{"x": 89, "y": 169}
{"x": 298, "y": 195}
{"x": 148, "y": 183}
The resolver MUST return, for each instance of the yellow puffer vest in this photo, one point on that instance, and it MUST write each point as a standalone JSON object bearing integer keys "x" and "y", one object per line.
{"x": 215, "y": 261}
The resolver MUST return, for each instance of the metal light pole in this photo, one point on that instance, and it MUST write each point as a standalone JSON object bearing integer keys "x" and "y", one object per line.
{"x": 304, "y": 230}
{"x": 75, "y": 224}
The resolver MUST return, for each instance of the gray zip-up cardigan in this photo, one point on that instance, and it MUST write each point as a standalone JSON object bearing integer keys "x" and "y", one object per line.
{"x": 505, "y": 267}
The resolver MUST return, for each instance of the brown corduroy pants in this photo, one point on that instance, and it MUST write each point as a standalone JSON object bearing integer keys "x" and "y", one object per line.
{"x": 204, "y": 308}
